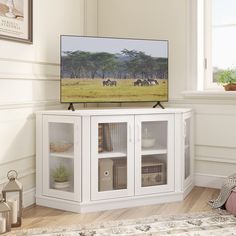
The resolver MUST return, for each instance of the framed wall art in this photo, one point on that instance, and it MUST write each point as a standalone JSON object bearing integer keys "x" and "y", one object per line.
{"x": 16, "y": 20}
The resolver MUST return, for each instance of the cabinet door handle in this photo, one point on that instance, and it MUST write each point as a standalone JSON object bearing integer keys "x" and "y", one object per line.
{"x": 138, "y": 133}
{"x": 130, "y": 134}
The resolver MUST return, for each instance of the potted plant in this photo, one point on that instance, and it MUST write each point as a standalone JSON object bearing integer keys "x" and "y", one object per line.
{"x": 61, "y": 177}
{"x": 228, "y": 79}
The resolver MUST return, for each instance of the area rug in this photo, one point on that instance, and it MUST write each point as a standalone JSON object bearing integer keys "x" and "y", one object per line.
{"x": 217, "y": 223}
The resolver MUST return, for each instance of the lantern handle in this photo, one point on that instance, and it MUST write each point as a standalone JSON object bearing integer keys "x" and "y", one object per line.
{"x": 12, "y": 174}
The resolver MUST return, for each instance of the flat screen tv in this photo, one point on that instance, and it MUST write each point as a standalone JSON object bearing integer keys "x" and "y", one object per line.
{"x": 96, "y": 69}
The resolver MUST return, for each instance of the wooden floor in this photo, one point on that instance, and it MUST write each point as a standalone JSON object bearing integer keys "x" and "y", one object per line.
{"x": 196, "y": 201}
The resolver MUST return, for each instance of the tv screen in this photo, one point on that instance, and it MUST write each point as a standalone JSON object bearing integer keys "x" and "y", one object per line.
{"x": 96, "y": 69}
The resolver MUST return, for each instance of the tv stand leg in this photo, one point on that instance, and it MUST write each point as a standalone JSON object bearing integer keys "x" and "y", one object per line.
{"x": 71, "y": 107}
{"x": 158, "y": 104}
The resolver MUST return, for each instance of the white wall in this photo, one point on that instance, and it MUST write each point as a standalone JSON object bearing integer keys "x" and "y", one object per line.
{"x": 29, "y": 81}
{"x": 151, "y": 19}
{"x": 215, "y": 133}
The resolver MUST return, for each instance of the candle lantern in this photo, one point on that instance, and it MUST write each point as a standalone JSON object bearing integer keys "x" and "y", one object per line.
{"x": 12, "y": 193}
{"x": 5, "y": 223}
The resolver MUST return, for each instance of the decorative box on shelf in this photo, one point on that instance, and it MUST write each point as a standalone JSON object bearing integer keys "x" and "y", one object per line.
{"x": 120, "y": 174}
{"x": 105, "y": 174}
{"x": 153, "y": 173}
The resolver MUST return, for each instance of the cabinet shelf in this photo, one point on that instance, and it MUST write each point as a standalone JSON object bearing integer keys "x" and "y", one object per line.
{"x": 68, "y": 154}
{"x": 112, "y": 155}
{"x": 153, "y": 151}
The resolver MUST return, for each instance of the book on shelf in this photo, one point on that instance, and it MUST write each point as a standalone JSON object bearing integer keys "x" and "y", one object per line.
{"x": 107, "y": 142}
{"x": 100, "y": 138}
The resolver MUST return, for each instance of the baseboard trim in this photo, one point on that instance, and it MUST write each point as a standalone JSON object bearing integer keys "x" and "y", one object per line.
{"x": 29, "y": 197}
{"x": 209, "y": 181}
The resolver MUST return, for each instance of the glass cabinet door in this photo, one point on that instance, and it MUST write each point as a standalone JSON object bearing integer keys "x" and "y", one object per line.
{"x": 61, "y": 157}
{"x": 112, "y": 157}
{"x": 154, "y": 154}
{"x": 188, "y": 165}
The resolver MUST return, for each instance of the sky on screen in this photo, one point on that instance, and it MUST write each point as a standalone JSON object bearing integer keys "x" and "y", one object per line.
{"x": 155, "y": 48}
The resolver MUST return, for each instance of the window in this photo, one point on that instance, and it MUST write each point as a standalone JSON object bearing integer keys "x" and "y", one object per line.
{"x": 219, "y": 38}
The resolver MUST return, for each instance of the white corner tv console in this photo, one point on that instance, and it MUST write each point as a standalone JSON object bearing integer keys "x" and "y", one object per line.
{"x": 91, "y": 160}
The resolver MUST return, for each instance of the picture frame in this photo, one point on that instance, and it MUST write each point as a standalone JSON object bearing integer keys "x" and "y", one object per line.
{"x": 16, "y": 20}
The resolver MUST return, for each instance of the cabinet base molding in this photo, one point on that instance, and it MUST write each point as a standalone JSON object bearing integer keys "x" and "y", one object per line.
{"x": 111, "y": 204}
{"x": 59, "y": 204}
{"x": 132, "y": 202}
{"x": 188, "y": 189}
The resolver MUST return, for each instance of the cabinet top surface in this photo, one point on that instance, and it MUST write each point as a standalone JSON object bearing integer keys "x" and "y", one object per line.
{"x": 116, "y": 111}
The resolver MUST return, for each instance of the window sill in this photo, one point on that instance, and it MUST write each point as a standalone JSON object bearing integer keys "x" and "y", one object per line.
{"x": 210, "y": 94}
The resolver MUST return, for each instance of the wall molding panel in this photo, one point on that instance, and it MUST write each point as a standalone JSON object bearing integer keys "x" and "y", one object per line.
{"x": 29, "y": 61}
{"x": 36, "y": 104}
{"x": 28, "y": 91}
{"x": 22, "y": 165}
{"x": 200, "y": 103}
{"x": 209, "y": 181}
{"x": 28, "y": 70}
{"x": 215, "y": 154}
{"x": 29, "y": 81}
{"x": 21, "y": 174}
{"x": 215, "y": 130}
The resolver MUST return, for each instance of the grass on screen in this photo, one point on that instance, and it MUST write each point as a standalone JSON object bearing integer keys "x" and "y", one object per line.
{"x": 92, "y": 90}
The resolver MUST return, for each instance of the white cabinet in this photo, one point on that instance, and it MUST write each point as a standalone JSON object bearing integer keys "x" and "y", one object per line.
{"x": 92, "y": 160}
{"x": 61, "y": 149}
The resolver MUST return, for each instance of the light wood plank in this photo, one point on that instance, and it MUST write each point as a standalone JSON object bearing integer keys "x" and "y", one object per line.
{"x": 196, "y": 201}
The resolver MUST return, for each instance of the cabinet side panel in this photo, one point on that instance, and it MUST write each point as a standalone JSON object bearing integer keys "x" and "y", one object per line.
{"x": 39, "y": 154}
{"x": 179, "y": 154}
{"x": 85, "y": 160}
